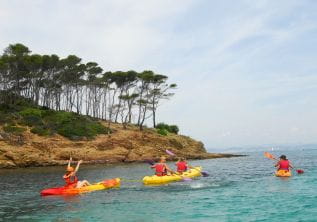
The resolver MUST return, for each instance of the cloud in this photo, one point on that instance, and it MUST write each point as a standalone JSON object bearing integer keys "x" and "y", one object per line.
{"x": 117, "y": 34}
{"x": 245, "y": 67}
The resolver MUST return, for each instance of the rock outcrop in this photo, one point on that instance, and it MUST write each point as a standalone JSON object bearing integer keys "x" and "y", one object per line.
{"x": 124, "y": 145}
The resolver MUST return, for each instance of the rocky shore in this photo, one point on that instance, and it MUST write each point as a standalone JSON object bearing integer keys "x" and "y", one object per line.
{"x": 123, "y": 145}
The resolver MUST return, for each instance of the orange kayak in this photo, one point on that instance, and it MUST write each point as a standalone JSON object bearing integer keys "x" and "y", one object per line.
{"x": 66, "y": 190}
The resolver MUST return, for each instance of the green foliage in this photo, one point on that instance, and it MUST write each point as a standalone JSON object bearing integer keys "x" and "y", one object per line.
{"x": 6, "y": 118}
{"x": 41, "y": 131}
{"x": 162, "y": 126}
{"x": 72, "y": 125}
{"x": 31, "y": 112}
{"x": 169, "y": 128}
{"x": 78, "y": 129}
{"x": 31, "y": 117}
{"x": 32, "y": 120}
{"x": 162, "y": 132}
{"x": 14, "y": 129}
{"x": 45, "y": 122}
{"x": 174, "y": 129}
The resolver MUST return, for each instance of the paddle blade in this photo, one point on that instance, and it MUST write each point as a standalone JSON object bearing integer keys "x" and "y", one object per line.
{"x": 205, "y": 174}
{"x": 268, "y": 155}
{"x": 169, "y": 152}
{"x": 300, "y": 171}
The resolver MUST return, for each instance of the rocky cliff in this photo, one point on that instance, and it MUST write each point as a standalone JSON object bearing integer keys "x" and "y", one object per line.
{"x": 123, "y": 145}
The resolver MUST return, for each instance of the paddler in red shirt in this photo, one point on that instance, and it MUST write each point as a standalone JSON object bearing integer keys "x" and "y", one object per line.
{"x": 70, "y": 177}
{"x": 283, "y": 163}
{"x": 182, "y": 165}
{"x": 162, "y": 168}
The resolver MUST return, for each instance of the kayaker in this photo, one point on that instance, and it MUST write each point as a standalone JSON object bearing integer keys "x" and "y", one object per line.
{"x": 161, "y": 168}
{"x": 70, "y": 177}
{"x": 182, "y": 165}
{"x": 283, "y": 163}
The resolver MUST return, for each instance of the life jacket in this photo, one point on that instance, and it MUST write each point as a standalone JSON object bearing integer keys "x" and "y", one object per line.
{"x": 160, "y": 169}
{"x": 284, "y": 165}
{"x": 71, "y": 181}
{"x": 181, "y": 166}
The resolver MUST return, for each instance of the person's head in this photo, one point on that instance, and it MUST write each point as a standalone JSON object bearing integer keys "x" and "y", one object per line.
{"x": 181, "y": 159}
{"x": 69, "y": 169}
{"x": 283, "y": 157}
{"x": 162, "y": 159}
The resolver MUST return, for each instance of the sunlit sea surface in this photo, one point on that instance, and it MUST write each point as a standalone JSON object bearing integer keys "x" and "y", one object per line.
{"x": 238, "y": 189}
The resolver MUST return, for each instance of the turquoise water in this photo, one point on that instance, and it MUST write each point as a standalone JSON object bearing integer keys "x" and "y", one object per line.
{"x": 238, "y": 189}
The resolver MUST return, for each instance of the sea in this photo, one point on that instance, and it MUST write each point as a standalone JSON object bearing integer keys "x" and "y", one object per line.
{"x": 237, "y": 189}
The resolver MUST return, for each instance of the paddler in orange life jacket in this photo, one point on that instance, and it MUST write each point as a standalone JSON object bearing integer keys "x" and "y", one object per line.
{"x": 182, "y": 165}
{"x": 161, "y": 168}
{"x": 283, "y": 163}
{"x": 70, "y": 177}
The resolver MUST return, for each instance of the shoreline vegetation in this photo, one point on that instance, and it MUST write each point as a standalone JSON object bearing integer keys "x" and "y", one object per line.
{"x": 51, "y": 108}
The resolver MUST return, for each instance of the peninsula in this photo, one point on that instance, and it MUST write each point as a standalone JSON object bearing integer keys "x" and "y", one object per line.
{"x": 52, "y": 108}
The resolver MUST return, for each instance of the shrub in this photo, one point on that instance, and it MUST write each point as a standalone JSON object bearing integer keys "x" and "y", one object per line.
{"x": 47, "y": 122}
{"x": 162, "y": 126}
{"x": 31, "y": 117}
{"x": 162, "y": 132}
{"x": 3, "y": 118}
{"x": 14, "y": 129}
{"x": 78, "y": 129}
{"x": 31, "y": 112}
{"x": 174, "y": 129}
{"x": 55, "y": 118}
{"x": 10, "y": 102}
{"x": 41, "y": 131}
{"x": 32, "y": 121}
{"x": 168, "y": 128}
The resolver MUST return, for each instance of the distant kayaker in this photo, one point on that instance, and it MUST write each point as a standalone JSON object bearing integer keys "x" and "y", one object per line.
{"x": 283, "y": 163}
{"x": 161, "y": 168}
{"x": 70, "y": 177}
{"x": 182, "y": 165}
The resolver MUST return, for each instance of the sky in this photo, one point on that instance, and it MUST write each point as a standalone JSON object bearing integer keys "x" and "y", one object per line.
{"x": 245, "y": 69}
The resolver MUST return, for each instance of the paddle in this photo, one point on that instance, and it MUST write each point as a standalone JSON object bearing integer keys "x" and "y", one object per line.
{"x": 203, "y": 173}
{"x": 270, "y": 156}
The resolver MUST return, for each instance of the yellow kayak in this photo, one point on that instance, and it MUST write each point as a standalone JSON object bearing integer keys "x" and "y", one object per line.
{"x": 283, "y": 173}
{"x": 155, "y": 180}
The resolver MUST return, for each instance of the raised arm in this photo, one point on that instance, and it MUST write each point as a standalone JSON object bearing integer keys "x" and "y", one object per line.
{"x": 69, "y": 161}
{"x": 78, "y": 164}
